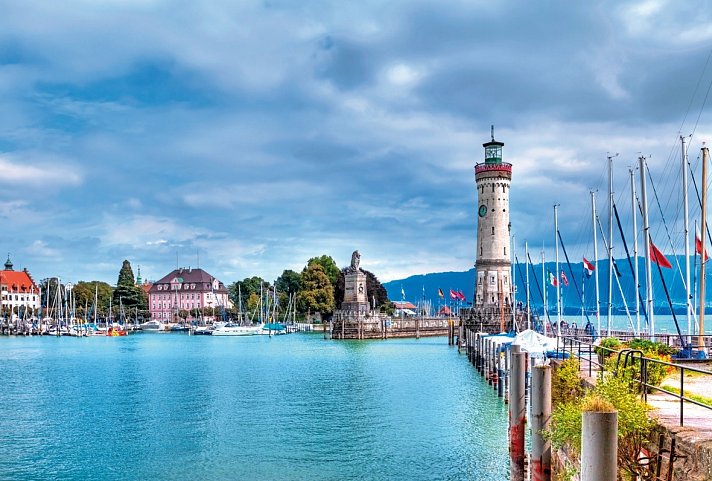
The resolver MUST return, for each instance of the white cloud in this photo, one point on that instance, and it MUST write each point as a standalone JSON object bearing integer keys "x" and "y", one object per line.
{"x": 23, "y": 169}
{"x": 403, "y": 75}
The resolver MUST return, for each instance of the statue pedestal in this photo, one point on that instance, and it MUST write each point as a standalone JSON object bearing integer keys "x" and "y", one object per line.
{"x": 355, "y": 294}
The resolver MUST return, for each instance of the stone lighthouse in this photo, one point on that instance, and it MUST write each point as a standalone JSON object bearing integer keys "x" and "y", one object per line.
{"x": 493, "y": 265}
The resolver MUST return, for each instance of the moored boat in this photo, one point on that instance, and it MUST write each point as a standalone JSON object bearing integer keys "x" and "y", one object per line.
{"x": 236, "y": 330}
{"x": 153, "y": 326}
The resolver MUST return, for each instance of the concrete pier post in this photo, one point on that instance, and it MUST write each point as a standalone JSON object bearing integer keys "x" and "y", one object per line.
{"x": 490, "y": 367}
{"x": 540, "y": 420}
{"x": 480, "y": 354}
{"x": 599, "y": 446}
{"x": 517, "y": 417}
{"x": 507, "y": 367}
{"x": 500, "y": 371}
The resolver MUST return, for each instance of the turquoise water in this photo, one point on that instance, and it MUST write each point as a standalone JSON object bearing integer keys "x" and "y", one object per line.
{"x": 296, "y": 407}
{"x": 664, "y": 324}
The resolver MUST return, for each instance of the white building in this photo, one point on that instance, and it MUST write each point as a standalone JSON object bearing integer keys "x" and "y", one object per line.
{"x": 20, "y": 294}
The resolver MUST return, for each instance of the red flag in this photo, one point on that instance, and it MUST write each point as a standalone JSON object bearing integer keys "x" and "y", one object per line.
{"x": 564, "y": 279}
{"x": 588, "y": 267}
{"x": 453, "y": 295}
{"x": 698, "y": 244}
{"x": 658, "y": 257}
{"x": 460, "y": 295}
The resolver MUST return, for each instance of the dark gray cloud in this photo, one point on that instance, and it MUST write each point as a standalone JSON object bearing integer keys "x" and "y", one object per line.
{"x": 264, "y": 133}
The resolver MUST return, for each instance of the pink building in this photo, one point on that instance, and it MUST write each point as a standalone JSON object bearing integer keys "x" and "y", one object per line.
{"x": 186, "y": 289}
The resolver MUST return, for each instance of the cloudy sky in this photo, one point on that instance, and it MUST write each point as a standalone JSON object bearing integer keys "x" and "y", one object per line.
{"x": 260, "y": 134}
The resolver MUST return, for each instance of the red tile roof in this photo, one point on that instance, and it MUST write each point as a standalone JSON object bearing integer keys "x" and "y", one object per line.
{"x": 404, "y": 305}
{"x": 18, "y": 281}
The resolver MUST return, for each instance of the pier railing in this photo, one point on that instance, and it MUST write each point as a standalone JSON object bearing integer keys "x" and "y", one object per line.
{"x": 593, "y": 359}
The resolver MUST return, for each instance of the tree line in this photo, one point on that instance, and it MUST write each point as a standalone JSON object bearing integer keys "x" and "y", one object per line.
{"x": 316, "y": 291}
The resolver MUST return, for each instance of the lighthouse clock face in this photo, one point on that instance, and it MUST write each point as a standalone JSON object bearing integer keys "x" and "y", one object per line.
{"x": 483, "y": 210}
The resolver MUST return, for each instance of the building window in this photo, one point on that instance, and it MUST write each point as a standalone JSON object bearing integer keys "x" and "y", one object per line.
{"x": 505, "y": 251}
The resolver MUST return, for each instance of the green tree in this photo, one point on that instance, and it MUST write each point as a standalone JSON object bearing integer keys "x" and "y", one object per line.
{"x": 374, "y": 288}
{"x": 85, "y": 293}
{"x": 127, "y": 293}
{"x": 50, "y": 295}
{"x": 290, "y": 281}
{"x": 328, "y": 265}
{"x": 253, "y": 303}
{"x": 317, "y": 292}
{"x": 245, "y": 288}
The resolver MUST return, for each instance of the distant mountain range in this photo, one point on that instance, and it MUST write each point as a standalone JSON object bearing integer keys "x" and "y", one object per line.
{"x": 426, "y": 286}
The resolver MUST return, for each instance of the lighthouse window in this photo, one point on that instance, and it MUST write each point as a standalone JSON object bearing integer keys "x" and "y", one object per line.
{"x": 492, "y": 187}
{"x": 503, "y": 189}
{"x": 480, "y": 250}
{"x": 492, "y": 230}
{"x": 505, "y": 251}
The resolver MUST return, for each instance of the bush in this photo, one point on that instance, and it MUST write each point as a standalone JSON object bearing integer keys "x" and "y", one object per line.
{"x": 648, "y": 346}
{"x": 566, "y": 384}
{"x": 634, "y": 425}
{"x": 608, "y": 345}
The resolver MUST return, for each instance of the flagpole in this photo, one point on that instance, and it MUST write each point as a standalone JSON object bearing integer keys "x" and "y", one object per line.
{"x": 636, "y": 280}
{"x": 529, "y": 316}
{"x": 687, "y": 240}
{"x": 648, "y": 268}
{"x": 595, "y": 262}
{"x": 556, "y": 275}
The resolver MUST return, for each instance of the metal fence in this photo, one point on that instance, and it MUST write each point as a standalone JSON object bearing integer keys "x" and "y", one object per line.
{"x": 593, "y": 358}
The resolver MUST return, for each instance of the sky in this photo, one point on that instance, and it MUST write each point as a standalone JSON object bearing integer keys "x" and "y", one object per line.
{"x": 251, "y": 136}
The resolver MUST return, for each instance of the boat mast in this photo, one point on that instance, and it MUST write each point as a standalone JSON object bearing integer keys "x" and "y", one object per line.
{"x": 610, "y": 241}
{"x": 703, "y": 228}
{"x": 543, "y": 283}
{"x": 648, "y": 269}
{"x": 556, "y": 272}
{"x": 514, "y": 283}
{"x": 529, "y": 316}
{"x": 635, "y": 250}
{"x": 595, "y": 261}
{"x": 688, "y": 307}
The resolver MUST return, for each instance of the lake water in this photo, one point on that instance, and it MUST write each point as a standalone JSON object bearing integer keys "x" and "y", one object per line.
{"x": 295, "y": 407}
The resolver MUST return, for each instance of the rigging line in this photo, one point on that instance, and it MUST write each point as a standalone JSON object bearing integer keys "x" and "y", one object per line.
{"x": 657, "y": 201}
{"x": 538, "y": 288}
{"x": 521, "y": 276}
{"x": 630, "y": 263}
{"x": 667, "y": 295}
{"x": 699, "y": 81}
{"x": 704, "y": 101}
{"x": 573, "y": 277}
{"x": 699, "y": 203}
{"x": 618, "y": 281}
